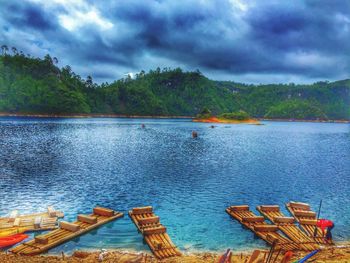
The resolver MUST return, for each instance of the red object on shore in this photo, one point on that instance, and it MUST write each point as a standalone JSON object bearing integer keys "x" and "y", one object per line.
{"x": 12, "y": 240}
{"x": 324, "y": 223}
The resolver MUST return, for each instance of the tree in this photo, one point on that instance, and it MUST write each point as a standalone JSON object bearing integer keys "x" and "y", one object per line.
{"x": 48, "y": 59}
{"x": 205, "y": 110}
{"x": 4, "y": 49}
{"x": 55, "y": 60}
{"x": 14, "y": 50}
{"x": 89, "y": 81}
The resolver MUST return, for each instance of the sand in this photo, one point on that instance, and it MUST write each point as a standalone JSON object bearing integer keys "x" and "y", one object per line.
{"x": 340, "y": 253}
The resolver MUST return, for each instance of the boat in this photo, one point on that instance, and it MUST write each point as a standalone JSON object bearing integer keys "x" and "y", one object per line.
{"x": 30, "y": 222}
{"x": 287, "y": 226}
{"x": 12, "y": 240}
{"x": 10, "y": 232}
{"x": 67, "y": 231}
{"x": 307, "y": 220}
{"x": 153, "y": 232}
{"x": 268, "y": 233}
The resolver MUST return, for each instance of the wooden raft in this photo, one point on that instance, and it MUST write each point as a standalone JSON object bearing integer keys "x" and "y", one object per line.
{"x": 153, "y": 232}
{"x": 258, "y": 226}
{"x": 307, "y": 220}
{"x": 287, "y": 226}
{"x": 67, "y": 231}
{"x": 31, "y": 222}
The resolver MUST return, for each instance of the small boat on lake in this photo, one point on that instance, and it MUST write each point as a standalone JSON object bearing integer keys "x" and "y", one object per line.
{"x": 154, "y": 232}
{"x": 67, "y": 231}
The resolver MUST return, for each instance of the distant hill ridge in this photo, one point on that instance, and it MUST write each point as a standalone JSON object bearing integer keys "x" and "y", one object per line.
{"x": 38, "y": 86}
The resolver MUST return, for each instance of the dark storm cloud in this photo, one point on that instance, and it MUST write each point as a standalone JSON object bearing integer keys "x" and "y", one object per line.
{"x": 27, "y": 16}
{"x": 298, "y": 40}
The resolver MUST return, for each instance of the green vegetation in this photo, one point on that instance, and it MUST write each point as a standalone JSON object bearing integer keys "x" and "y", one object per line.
{"x": 34, "y": 85}
{"x": 321, "y": 100}
{"x": 237, "y": 115}
{"x": 295, "y": 109}
{"x": 204, "y": 114}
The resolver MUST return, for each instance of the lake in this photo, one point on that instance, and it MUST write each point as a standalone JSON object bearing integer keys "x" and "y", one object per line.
{"x": 75, "y": 164}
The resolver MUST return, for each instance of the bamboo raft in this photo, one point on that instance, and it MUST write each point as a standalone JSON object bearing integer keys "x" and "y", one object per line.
{"x": 15, "y": 223}
{"x": 287, "y": 226}
{"x": 259, "y": 227}
{"x": 153, "y": 232}
{"x": 67, "y": 231}
{"x": 307, "y": 220}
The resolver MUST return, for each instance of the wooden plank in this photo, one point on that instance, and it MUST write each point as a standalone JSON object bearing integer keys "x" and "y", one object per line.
{"x": 253, "y": 219}
{"x": 69, "y": 226}
{"x": 239, "y": 208}
{"x": 154, "y": 230}
{"x": 302, "y": 213}
{"x": 51, "y": 211}
{"x": 17, "y": 222}
{"x": 265, "y": 228}
{"x": 149, "y": 220}
{"x": 42, "y": 240}
{"x": 142, "y": 210}
{"x": 12, "y": 216}
{"x": 103, "y": 211}
{"x": 284, "y": 219}
{"x": 87, "y": 219}
{"x": 299, "y": 205}
{"x": 270, "y": 208}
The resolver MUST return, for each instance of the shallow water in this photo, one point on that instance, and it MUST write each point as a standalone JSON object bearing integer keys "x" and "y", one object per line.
{"x": 75, "y": 164}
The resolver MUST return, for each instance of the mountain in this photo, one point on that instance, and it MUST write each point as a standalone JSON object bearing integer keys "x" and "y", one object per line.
{"x": 34, "y": 85}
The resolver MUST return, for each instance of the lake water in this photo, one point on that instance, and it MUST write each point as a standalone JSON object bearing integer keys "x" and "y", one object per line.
{"x": 75, "y": 164}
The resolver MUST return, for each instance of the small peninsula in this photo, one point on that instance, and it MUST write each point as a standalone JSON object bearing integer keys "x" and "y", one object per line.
{"x": 237, "y": 117}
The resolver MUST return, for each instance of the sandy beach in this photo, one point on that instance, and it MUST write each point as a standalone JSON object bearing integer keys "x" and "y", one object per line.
{"x": 339, "y": 253}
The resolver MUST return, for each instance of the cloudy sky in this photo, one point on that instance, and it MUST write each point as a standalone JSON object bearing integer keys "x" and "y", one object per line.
{"x": 251, "y": 41}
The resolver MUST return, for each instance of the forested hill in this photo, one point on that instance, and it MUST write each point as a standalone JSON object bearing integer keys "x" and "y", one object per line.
{"x": 38, "y": 86}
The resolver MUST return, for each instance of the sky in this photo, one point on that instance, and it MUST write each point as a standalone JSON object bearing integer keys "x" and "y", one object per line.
{"x": 250, "y": 41}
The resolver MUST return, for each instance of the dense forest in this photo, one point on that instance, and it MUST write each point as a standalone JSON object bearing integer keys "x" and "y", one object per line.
{"x": 35, "y": 85}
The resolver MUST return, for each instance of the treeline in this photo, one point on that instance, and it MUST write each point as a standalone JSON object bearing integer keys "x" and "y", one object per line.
{"x": 34, "y": 85}
{"x": 321, "y": 100}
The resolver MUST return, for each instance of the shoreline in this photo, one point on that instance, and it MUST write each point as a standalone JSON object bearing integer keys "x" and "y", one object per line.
{"x": 92, "y": 115}
{"x": 227, "y": 121}
{"x": 339, "y": 253}
{"x": 97, "y": 115}
{"x": 301, "y": 120}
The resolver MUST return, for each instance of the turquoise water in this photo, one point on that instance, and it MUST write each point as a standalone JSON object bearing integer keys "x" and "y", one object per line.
{"x": 75, "y": 164}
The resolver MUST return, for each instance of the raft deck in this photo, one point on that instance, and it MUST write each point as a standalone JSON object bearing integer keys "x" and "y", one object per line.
{"x": 31, "y": 222}
{"x": 307, "y": 220}
{"x": 259, "y": 227}
{"x": 153, "y": 232}
{"x": 67, "y": 231}
{"x": 287, "y": 226}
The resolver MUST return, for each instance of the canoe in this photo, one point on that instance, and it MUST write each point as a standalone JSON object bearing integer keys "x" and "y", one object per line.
{"x": 10, "y": 232}
{"x": 12, "y": 240}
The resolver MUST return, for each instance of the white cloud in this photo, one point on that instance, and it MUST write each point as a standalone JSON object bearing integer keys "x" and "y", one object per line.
{"x": 72, "y": 15}
{"x": 76, "y": 19}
